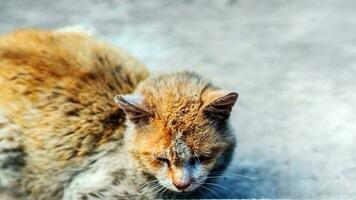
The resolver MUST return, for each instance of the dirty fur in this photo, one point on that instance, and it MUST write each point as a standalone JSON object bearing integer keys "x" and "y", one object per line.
{"x": 57, "y": 107}
{"x": 62, "y": 136}
{"x": 179, "y": 131}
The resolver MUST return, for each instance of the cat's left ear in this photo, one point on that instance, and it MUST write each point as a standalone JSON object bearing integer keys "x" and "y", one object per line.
{"x": 219, "y": 103}
{"x": 133, "y": 106}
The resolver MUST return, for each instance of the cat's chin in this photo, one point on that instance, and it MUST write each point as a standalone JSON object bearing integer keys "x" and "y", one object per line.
{"x": 172, "y": 188}
{"x": 176, "y": 194}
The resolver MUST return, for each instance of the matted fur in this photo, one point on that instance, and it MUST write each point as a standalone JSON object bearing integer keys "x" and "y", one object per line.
{"x": 63, "y": 137}
{"x": 176, "y": 119}
{"x": 58, "y": 88}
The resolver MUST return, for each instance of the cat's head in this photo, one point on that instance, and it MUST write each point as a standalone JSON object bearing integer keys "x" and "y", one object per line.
{"x": 178, "y": 128}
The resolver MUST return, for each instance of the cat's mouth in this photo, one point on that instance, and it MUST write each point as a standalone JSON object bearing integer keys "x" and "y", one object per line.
{"x": 187, "y": 187}
{"x": 193, "y": 191}
{"x": 181, "y": 188}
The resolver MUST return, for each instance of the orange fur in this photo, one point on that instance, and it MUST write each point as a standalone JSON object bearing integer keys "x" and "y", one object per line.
{"x": 57, "y": 93}
{"x": 176, "y": 104}
{"x": 59, "y": 87}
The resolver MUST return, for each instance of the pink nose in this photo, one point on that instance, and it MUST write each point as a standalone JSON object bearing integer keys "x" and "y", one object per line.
{"x": 182, "y": 186}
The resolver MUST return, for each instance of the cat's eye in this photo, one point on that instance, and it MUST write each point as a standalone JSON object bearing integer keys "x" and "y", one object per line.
{"x": 204, "y": 158}
{"x": 163, "y": 160}
{"x": 199, "y": 159}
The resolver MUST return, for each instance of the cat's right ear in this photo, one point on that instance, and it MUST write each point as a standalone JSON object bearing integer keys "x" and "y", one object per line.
{"x": 133, "y": 106}
{"x": 219, "y": 103}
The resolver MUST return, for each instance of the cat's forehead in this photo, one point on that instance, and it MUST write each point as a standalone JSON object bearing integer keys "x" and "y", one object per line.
{"x": 176, "y": 103}
{"x": 175, "y": 94}
{"x": 175, "y": 108}
{"x": 184, "y": 139}
{"x": 185, "y": 146}
{"x": 180, "y": 150}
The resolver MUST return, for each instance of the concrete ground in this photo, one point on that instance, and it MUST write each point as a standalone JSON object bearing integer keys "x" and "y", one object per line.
{"x": 293, "y": 63}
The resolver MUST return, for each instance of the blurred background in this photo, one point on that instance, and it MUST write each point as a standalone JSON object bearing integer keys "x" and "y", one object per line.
{"x": 292, "y": 62}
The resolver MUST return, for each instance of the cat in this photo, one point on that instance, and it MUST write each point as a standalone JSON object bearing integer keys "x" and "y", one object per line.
{"x": 82, "y": 120}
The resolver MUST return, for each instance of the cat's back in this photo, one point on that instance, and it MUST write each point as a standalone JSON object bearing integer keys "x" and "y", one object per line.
{"x": 41, "y": 67}
{"x": 56, "y": 91}
{"x": 33, "y": 59}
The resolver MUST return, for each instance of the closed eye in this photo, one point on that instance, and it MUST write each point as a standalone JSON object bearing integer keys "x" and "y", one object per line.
{"x": 200, "y": 159}
{"x": 204, "y": 158}
{"x": 163, "y": 160}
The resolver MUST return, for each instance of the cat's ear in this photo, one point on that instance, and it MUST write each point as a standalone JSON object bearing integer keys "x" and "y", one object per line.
{"x": 218, "y": 104}
{"x": 133, "y": 106}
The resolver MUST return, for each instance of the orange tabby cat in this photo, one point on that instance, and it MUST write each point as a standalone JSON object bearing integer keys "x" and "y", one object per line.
{"x": 63, "y": 137}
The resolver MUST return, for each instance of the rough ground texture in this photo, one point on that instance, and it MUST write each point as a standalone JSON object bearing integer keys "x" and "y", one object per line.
{"x": 293, "y": 63}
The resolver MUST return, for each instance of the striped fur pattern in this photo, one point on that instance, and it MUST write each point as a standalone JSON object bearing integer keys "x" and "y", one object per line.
{"x": 57, "y": 114}
{"x": 180, "y": 131}
{"x": 65, "y": 135}
{"x": 11, "y": 153}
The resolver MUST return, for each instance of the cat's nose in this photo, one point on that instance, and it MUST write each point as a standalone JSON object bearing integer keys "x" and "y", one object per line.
{"x": 182, "y": 185}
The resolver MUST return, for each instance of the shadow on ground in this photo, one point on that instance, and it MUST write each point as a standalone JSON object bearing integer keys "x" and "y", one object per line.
{"x": 248, "y": 180}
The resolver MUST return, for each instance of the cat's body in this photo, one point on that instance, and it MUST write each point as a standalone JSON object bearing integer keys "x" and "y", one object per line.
{"x": 56, "y": 108}
{"x": 63, "y": 136}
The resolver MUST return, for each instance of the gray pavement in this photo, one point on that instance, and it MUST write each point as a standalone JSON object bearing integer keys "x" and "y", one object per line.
{"x": 293, "y": 63}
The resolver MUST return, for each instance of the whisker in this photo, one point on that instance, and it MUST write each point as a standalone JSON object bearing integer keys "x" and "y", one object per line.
{"x": 218, "y": 185}
{"x": 154, "y": 193}
{"x": 232, "y": 178}
{"x": 164, "y": 192}
{"x": 147, "y": 184}
{"x": 226, "y": 174}
{"x": 152, "y": 188}
{"x": 196, "y": 158}
{"x": 160, "y": 191}
{"x": 211, "y": 191}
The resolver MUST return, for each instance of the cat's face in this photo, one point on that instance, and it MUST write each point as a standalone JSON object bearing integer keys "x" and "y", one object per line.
{"x": 178, "y": 136}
